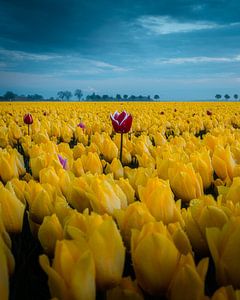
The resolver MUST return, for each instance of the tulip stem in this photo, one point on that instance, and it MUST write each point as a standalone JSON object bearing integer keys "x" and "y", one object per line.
{"x": 121, "y": 146}
{"x": 28, "y": 129}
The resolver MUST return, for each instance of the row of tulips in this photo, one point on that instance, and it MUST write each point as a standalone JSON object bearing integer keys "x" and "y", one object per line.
{"x": 100, "y": 198}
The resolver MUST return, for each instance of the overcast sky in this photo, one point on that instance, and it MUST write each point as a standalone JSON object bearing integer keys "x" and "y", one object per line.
{"x": 179, "y": 49}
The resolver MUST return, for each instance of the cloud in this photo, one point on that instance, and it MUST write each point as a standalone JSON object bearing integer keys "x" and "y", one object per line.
{"x": 20, "y": 55}
{"x": 197, "y": 60}
{"x": 163, "y": 25}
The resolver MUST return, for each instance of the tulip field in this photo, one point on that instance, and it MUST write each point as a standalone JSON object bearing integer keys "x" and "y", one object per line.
{"x": 120, "y": 201}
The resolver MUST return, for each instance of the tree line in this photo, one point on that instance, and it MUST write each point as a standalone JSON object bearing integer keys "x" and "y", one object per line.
{"x": 226, "y": 97}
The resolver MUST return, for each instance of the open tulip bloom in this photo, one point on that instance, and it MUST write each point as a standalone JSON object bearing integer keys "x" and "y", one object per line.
{"x": 121, "y": 123}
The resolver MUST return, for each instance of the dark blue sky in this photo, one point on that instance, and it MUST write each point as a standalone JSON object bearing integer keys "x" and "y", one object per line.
{"x": 179, "y": 49}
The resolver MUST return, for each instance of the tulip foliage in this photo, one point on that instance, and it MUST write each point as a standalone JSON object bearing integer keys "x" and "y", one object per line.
{"x": 142, "y": 205}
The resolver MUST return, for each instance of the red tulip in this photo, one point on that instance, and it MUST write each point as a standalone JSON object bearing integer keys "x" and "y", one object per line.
{"x": 28, "y": 119}
{"x": 121, "y": 122}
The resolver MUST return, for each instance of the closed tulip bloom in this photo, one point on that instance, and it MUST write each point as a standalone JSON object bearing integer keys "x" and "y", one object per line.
{"x": 109, "y": 254}
{"x": 185, "y": 183}
{"x": 134, "y": 217}
{"x": 3, "y": 136}
{"x": 72, "y": 274}
{"x": 224, "y": 245}
{"x": 188, "y": 281}
{"x": 28, "y": 119}
{"x": 121, "y": 122}
{"x": 49, "y": 232}
{"x": 116, "y": 168}
{"x": 109, "y": 149}
{"x": 127, "y": 189}
{"x": 78, "y": 151}
{"x": 146, "y": 161}
{"x": 76, "y": 194}
{"x": 41, "y": 206}
{"x": 92, "y": 163}
{"x": 126, "y": 290}
{"x": 201, "y": 214}
{"x": 8, "y": 166}
{"x": 66, "y": 133}
{"x": 14, "y": 133}
{"x": 18, "y": 188}
{"x": 155, "y": 258}
{"x": 77, "y": 167}
{"x": 226, "y": 293}
{"x": 105, "y": 196}
{"x": 159, "y": 199}
{"x": 7, "y": 267}
{"x": 12, "y": 211}
{"x": 37, "y": 164}
{"x": 223, "y": 162}
{"x": 49, "y": 175}
{"x": 202, "y": 164}
{"x": 231, "y": 193}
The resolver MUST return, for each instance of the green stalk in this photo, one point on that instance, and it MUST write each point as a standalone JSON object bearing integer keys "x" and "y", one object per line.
{"x": 121, "y": 146}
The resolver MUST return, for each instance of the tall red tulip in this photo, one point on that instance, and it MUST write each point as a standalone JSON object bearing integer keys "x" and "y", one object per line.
{"x": 28, "y": 119}
{"x": 121, "y": 123}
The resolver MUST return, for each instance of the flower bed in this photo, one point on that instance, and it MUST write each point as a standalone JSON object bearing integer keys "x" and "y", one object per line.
{"x": 139, "y": 206}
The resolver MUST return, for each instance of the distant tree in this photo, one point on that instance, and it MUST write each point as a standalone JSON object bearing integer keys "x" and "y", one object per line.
{"x": 156, "y": 97}
{"x": 132, "y": 98}
{"x": 9, "y": 96}
{"x": 235, "y": 96}
{"x": 61, "y": 95}
{"x": 35, "y": 97}
{"x": 227, "y": 97}
{"x": 78, "y": 93}
{"x": 105, "y": 97}
{"x": 118, "y": 97}
{"x": 67, "y": 95}
{"x": 125, "y": 97}
{"x": 218, "y": 96}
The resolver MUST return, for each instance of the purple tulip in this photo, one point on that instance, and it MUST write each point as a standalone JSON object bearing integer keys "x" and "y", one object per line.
{"x": 81, "y": 125}
{"x": 63, "y": 161}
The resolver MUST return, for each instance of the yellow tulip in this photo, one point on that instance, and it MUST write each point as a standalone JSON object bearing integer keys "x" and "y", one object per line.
{"x": 202, "y": 164}
{"x": 41, "y": 137}
{"x": 8, "y": 166}
{"x": 14, "y": 133}
{"x": 92, "y": 163}
{"x": 3, "y": 136}
{"x": 78, "y": 167}
{"x": 159, "y": 199}
{"x": 81, "y": 136}
{"x": 134, "y": 217}
{"x": 105, "y": 196}
{"x": 18, "y": 188}
{"x": 12, "y": 211}
{"x": 76, "y": 194}
{"x": 66, "y": 133}
{"x": 116, "y": 168}
{"x": 231, "y": 193}
{"x": 109, "y": 254}
{"x": 185, "y": 183}
{"x": 127, "y": 189}
{"x": 3, "y": 233}
{"x": 224, "y": 245}
{"x": 180, "y": 238}
{"x": 146, "y": 161}
{"x": 7, "y": 266}
{"x": 226, "y": 293}
{"x": 78, "y": 151}
{"x": 37, "y": 164}
{"x": 109, "y": 149}
{"x": 223, "y": 162}
{"x": 72, "y": 274}
{"x": 126, "y": 290}
{"x": 49, "y": 175}
{"x": 138, "y": 176}
{"x": 155, "y": 258}
{"x": 201, "y": 214}
{"x": 49, "y": 232}
{"x": 188, "y": 280}
{"x": 41, "y": 206}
